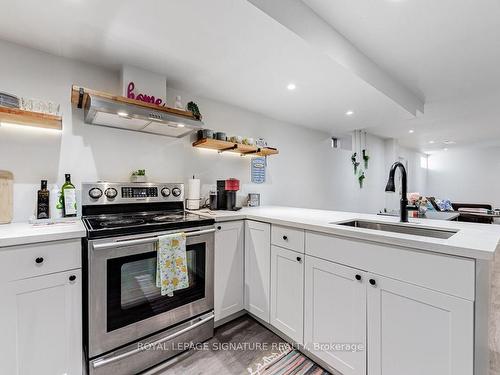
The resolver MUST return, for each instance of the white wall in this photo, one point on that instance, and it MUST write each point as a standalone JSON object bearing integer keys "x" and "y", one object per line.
{"x": 466, "y": 175}
{"x": 306, "y": 173}
{"x": 92, "y": 153}
{"x": 345, "y": 194}
{"x": 417, "y": 175}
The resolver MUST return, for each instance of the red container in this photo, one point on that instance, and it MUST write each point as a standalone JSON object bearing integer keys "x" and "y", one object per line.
{"x": 232, "y": 184}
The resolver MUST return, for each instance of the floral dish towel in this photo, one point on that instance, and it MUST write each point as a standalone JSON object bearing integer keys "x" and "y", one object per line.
{"x": 171, "y": 270}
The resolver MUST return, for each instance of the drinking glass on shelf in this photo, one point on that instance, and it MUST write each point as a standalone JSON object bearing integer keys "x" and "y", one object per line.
{"x": 27, "y": 104}
{"x": 53, "y": 108}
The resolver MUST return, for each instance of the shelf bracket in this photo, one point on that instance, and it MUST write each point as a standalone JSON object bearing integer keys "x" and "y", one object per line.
{"x": 81, "y": 92}
{"x": 252, "y": 152}
{"x": 233, "y": 147}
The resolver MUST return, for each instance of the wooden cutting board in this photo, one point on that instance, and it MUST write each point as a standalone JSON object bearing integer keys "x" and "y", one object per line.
{"x": 6, "y": 197}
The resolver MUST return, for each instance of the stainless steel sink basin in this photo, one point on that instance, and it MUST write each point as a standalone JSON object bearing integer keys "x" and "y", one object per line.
{"x": 397, "y": 228}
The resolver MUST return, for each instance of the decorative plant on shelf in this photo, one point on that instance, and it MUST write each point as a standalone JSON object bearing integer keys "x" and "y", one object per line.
{"x": 193, "y": 108}
{"x": 138, "y": 176}
{"x": 139, "y": 172}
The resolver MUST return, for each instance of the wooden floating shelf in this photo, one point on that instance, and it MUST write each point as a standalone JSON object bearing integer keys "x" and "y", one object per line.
{"x": 28, "y": 118}
{"x": 225, "y": 146}
{"x": 80, "y": 94}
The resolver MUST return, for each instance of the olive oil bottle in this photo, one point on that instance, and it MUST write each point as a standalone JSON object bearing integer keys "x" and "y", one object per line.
{"x": 68, "y": 193}
{"x": 42, "y": 203}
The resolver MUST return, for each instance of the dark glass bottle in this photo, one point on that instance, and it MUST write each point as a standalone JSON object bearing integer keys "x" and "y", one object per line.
{"x": 42, "y": 204}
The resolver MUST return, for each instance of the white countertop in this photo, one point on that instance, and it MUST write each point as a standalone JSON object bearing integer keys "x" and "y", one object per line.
{"x": 478, "y": 241}
{"x": 25, "y": 233}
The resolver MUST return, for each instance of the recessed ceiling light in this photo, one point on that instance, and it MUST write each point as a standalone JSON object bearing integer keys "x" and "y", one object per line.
{"x": 411, "y": 131}
{"x": 432, "y": 142}
{"x": 445, "y": 149}
{"x": 122, "y": 114}
{"x": 291, "y": 86}
{"x": 349, "y": 113}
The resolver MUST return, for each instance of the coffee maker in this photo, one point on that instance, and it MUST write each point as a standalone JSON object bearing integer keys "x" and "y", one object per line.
{"x": 226, "y": 194}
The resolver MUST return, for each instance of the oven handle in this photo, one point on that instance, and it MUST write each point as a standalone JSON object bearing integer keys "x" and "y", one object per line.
{"x": 142, "y": 241}
{"x": 106, "y": 361}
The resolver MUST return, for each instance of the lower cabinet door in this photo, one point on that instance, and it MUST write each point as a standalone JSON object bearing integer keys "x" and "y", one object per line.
{"x": 335, "y": 315}
{"x": 415, "y": 331}
{"x": 229, "y": 263}
{"x": 257, "y": 268}
{"x": 41, "y": 325}
{"x": 287, "y": 292}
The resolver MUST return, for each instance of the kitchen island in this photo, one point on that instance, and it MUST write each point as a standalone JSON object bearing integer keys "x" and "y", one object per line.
{"x": 401, "y": 297}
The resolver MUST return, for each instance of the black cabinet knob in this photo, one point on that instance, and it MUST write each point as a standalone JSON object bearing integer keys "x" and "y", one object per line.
{"x": 373, "y": 282}
{"x": 39, "y": 260}
{"x": 358, "y": 277}
{"x": 219, "y": 227}
{"x": 299, "y": 259}
{"x": 285, "y": 238}
{"x": 72, "y": 278}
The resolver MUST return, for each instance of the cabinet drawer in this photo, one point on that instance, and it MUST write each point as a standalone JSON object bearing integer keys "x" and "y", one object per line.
{"x": 443, "y": 273}
{"x": 20, "y": 262}
{"x": 289, "y": 238}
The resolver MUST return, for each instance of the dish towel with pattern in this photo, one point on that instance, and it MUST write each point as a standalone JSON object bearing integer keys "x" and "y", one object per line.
{"x": 171, "y": 269}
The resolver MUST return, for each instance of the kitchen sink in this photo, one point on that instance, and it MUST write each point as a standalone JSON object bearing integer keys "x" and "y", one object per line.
{"x": 398, "y": 228}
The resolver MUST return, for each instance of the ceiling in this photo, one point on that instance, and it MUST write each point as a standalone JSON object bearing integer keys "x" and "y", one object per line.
{"x": 446, "y": 51}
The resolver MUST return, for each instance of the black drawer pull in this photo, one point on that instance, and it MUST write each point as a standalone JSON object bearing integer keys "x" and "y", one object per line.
{"x": 373, "y": 282}
{"x": 39, "y": 260}
{"x": 285, "y": 238}
{"x": 72, "y": 278}
{"x": 219, "y": 227}
{"x": 358, "y": 277}
{"x": 299, "y": 259}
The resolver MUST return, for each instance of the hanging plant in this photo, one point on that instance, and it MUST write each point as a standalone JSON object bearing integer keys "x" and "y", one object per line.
{"x": 354, "y": 163}
{"x": 365, "y": 158}
{"x": 361, "y": 178}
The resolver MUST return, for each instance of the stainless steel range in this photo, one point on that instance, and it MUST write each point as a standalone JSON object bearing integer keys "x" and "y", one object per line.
{"x": 128, "y": 325}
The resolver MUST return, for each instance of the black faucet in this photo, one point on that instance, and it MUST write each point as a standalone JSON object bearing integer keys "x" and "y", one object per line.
{"x": 392, "y": 187}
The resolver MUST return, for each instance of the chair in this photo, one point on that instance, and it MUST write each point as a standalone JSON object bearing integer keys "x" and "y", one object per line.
{"x": 472, "y": 218}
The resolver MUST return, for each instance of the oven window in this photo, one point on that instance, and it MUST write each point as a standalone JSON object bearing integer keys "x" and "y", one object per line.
{"x": 132, "y": 294}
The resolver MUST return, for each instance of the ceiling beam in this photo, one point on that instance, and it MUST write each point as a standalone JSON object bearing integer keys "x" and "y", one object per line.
{"x": 296, "y": 16}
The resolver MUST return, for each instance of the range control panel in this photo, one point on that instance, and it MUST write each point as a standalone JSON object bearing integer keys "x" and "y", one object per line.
{"x": 139, "y": 192}
{"x": 119, "y": 193}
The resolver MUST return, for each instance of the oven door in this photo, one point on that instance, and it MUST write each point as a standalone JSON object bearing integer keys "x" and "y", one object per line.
{"x": 124, "y": 304}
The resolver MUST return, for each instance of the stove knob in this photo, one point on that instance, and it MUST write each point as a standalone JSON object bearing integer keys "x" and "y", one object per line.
{"x": 95, "y": 193}
{"x": 165, "y": 192}
{"x": 176, "y": 192}
{"x": 111, "y": 193}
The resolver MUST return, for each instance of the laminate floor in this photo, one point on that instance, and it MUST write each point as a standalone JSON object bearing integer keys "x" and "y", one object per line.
{"x": 237, "y": 348}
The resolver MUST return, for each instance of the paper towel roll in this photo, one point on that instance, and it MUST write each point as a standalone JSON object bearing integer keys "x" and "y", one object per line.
{"x": 193, "y": 189}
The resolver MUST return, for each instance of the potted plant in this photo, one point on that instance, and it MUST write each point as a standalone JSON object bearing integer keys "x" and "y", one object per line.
{"x": 138, "y": 176}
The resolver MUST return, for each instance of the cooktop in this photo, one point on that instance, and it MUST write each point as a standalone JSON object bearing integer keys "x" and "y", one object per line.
{"x": 106, "y": 225}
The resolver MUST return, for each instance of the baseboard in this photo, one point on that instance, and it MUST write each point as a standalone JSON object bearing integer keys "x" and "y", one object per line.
{"x": 229, "y": 318}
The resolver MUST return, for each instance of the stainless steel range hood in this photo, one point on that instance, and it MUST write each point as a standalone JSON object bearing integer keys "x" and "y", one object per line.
{"x": 120, "y": 114}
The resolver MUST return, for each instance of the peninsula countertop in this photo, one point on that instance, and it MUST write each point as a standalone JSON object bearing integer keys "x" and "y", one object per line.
{"x": 478, "y": 241}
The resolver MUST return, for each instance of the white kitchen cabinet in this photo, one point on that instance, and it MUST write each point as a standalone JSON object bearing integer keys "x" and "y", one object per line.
{"x": 41, "y": 325}
{"x": 287, "y": 292}
{"x": 257, "y": 268}
{"x": 335, "y": 313}
{"x": 414, "y": 330}
{"x": 229, "y": 269}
